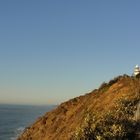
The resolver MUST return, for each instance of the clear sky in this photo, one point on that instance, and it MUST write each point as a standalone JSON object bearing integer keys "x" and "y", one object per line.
{"x": 54, "y": 50}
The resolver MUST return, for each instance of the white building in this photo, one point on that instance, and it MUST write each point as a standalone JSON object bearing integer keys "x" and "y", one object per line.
{"x": 136, "y": 70}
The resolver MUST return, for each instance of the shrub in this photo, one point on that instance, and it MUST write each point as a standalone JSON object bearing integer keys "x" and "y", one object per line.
{"x": 118, "y": 124}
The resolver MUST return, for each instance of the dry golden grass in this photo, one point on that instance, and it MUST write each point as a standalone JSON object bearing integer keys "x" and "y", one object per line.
{"x": 61, "y": 123}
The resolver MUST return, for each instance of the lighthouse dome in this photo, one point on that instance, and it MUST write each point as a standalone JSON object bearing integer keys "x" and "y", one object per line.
{"x": 136, "y": 70}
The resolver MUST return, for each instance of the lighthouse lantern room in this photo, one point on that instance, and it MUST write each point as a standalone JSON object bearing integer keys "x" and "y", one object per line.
{"x": 136, "y": 70}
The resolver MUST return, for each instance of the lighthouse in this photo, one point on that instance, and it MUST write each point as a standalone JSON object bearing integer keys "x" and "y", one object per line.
{"x": 136, "y": 71}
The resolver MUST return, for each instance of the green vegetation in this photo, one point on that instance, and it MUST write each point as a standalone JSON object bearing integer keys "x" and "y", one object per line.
{"x": 105, "y": 86}
{"x": 118, "y": 124}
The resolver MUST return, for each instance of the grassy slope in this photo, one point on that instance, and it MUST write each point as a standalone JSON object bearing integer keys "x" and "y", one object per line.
{"x": 62, "y": 122}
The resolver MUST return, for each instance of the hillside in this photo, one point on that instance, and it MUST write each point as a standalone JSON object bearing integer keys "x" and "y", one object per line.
{"x": 107, "y": 112}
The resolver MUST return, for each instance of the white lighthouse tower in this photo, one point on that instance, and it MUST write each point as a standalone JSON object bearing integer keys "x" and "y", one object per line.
{"x": 136, "y": 70}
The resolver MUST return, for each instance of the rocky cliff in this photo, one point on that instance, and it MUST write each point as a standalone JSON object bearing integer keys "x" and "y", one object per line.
{"x": 113, "y": 104}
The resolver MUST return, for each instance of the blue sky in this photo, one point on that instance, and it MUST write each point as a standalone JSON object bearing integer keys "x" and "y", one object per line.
{"x": 54, "y": 50}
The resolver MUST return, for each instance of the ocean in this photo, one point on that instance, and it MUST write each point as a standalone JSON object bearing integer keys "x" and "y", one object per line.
{"x": 15, "y": 118}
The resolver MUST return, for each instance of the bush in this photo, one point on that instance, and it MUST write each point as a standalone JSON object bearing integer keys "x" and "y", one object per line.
{"x": 118, "y": 124}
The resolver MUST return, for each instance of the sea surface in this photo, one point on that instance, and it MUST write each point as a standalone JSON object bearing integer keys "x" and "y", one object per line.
{"x": 15, "y": 118}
